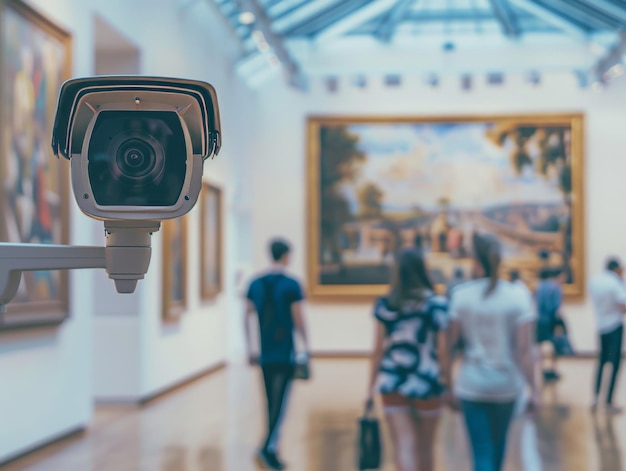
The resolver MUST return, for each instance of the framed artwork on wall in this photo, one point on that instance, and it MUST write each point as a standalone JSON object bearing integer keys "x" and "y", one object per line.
{"x": 35, "y": 59}
{"x": 378, "y": 184}
{"x": 175, "y": 254}
{"x": 211, "y": 241}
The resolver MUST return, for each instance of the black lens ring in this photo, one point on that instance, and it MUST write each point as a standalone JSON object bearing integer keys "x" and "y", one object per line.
{"x": 135, "y": 158}
{"x": 152, "y": 147}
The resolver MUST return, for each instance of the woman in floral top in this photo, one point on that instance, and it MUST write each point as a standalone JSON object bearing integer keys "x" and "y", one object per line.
{"x": 411, "y": 329}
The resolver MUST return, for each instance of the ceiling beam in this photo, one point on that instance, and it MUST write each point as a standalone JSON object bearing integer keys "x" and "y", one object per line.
{"x": 584, "y": 13}
{"x": 301, "y": 14}
{"x": 505, "y": 16}
{"x": 271, "y": 3}
{"x": 391, "y": 21}
{"x": 447, "y": 17}
{"x": 314, "y": 24}
{"x": 613, "y": 57}
{"x": 369, "y": 11}
{"x": 609, "y": 8}
{"x": 552, "y": 18}
{"x": 277, "y": 8}
{"x": 262, "y": 23}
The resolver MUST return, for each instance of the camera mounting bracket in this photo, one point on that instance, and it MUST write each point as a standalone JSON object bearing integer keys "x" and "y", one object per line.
{"x": 16, "y": 258}
{"x": 128, "y": 251}
{"x": 125, "y": 256}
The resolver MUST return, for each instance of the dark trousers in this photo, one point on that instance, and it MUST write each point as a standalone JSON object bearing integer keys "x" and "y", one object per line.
{"x": 487, "y": 426}
{"x": 610, "y": 352}
{"x": 277, "y": 379}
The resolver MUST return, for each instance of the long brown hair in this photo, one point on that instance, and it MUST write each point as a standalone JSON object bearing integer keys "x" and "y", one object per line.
{"x": 487, "y": 253}
{"x": 410, "y": 280}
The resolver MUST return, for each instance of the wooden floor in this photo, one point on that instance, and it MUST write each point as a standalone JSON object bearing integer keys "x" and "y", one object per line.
{"x": 215, "y": 425}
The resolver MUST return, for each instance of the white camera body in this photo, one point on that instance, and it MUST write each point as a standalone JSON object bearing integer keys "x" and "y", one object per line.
{"x": 137, "y": 147}
{"x": 136, "y": 144}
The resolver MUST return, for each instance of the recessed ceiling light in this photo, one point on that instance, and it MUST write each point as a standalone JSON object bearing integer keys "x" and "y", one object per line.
{"x": 246, "y": 18}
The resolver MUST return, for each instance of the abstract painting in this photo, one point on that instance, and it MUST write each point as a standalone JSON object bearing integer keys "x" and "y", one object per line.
{"x": 35, "y": 59}
{"x": 376, "y": 185}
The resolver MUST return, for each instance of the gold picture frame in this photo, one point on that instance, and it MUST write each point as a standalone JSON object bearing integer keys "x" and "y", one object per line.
{"x": 338, "y": 215}
{"x": 175, "y": 268}
{"x": 211, "y": 241}
{"x": 35, "y": 59}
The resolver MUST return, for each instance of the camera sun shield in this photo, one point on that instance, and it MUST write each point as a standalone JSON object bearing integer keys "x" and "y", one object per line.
{"x": 136, "y": 144}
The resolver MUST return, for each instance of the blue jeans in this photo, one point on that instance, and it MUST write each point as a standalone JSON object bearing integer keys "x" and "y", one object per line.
{"x": 487, "y": 426}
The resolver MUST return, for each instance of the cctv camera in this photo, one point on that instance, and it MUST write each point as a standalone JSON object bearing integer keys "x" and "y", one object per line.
{"x": 136, "y": 144}
{"x": 136, "y": 147}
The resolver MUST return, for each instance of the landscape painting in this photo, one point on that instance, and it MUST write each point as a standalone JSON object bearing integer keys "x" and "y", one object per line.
{"x": 377, "y": 185}
{"x": 35, "y": 59}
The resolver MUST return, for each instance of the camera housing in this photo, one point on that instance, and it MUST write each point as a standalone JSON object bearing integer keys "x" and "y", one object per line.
{"x": 136, "y": 144}
{"x": 137, "y": 147}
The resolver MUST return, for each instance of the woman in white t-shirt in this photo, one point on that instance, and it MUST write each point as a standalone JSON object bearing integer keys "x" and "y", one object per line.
{"x": 494, "y": 320}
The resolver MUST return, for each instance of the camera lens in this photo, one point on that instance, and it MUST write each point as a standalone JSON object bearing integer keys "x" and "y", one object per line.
{"x": 139, "y": 160}
{"x": 136, "y": 158}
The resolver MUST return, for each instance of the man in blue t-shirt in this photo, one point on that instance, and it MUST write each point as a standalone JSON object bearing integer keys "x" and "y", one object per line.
{"x": 276, "y": 298}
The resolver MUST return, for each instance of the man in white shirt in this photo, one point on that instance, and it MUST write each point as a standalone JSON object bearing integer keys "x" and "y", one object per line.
{"x": 609, "y": 299}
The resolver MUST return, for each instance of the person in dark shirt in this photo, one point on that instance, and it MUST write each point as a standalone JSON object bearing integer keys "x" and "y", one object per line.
{"x": 549, "y": 296}
{"x": 276, "y": 298}
{"x": 418, "y": 241}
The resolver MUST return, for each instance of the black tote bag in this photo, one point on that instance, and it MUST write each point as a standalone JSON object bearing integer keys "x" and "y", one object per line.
{"x": 369, "y": 445}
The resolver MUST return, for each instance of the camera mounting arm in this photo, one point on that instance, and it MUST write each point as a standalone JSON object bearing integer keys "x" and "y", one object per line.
{"x": 148, "y": 179}
{"x": 126, "y": 257}
{"x": 16, "y": 258}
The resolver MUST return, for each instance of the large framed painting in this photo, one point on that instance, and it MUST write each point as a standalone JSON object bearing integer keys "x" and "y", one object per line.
{"x": 210, "y": 241}
{"x": 174, "y": 289}
{"x": 35, "y": 59}
{"x": 378, "y": 184}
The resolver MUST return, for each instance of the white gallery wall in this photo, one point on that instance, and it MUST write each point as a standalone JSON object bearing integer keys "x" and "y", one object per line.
{"x": 279, "y": 180}
{"x": 116, "y": 347}
{"x": 49, "y": 376}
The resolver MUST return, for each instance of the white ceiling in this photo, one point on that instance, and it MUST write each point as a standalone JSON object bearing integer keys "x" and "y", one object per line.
{"x": 109, "y": 39}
